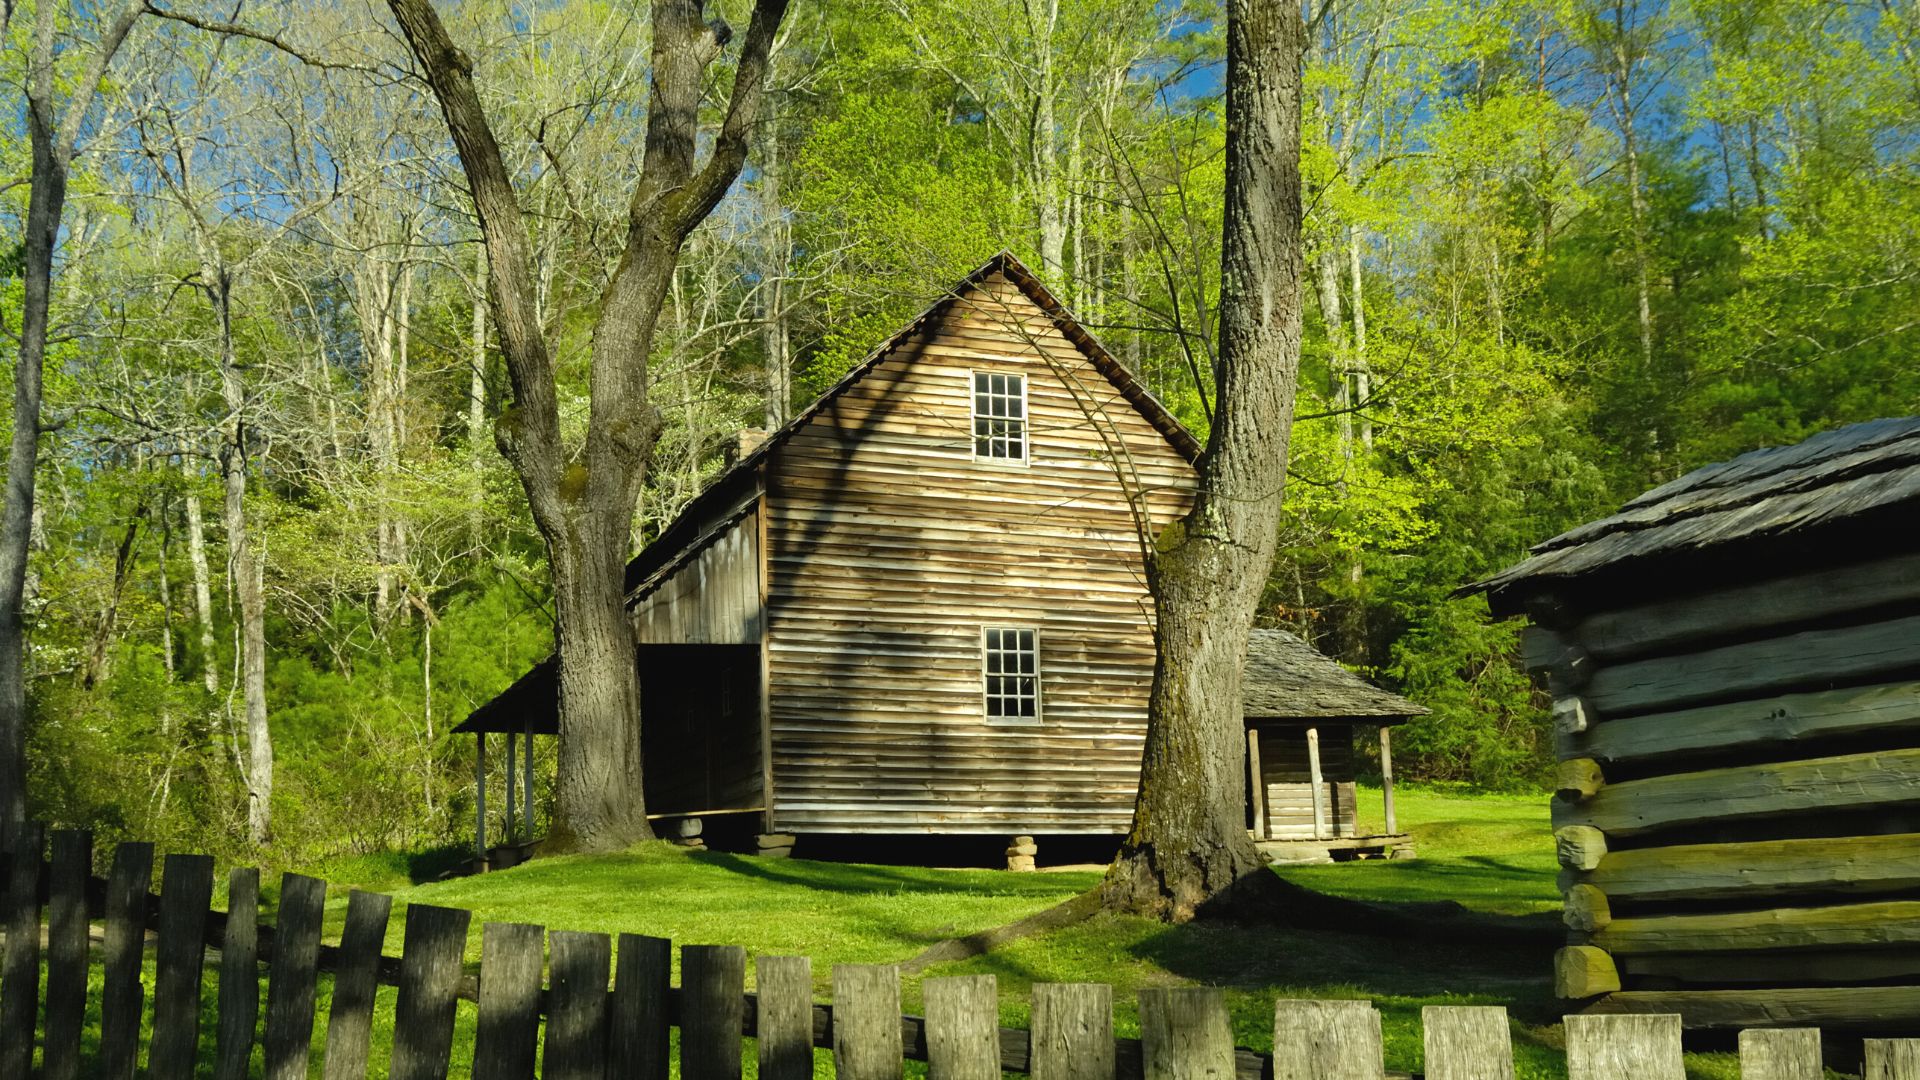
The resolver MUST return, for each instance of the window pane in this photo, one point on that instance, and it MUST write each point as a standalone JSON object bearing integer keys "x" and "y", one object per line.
{"x": 1010, "y": 671}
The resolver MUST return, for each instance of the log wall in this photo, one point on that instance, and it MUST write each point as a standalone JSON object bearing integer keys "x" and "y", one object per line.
{"x": 1738, "y": 813}
{"x": 889, "y": 548}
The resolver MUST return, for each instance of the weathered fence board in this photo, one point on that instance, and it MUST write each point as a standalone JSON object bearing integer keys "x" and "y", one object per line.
{"x": 1327, "y": 1040}
{"x": 577, "y": 1006}
{"x": 1467, "y": 1042}
{"x": 356, "y": 971}
{"x": 430, "y": 955}
{"x": 1185, "y": 1034}
{"x": 1892, "y": 1059}
{"x": 592, "y": 1032}
{"x": 186, "y": 894}
{"x": 508, "y": 1029}
{"x": 783, "y": 1025}
{"x": 20, "y": 973}
{"x": 963, "y": 1027}
{"x": 1624, "y": 1048}
{"x": 637, "y": 1036}
{"x": 296, "y": 958}
{"x": 713, "y": 982}
{"x": 1780, "y": 1054}
{"x": 866, "y": 1022}
{"x": 1072, "y": 1032}
{"x": 239, "y": 976}
{"x": 121, "y": 994}
{"x": 66, "y": 1006}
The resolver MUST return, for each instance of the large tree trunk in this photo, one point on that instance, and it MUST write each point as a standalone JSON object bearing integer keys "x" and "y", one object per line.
{"x": 52, "y": 138}
{"x": 246, "y": 573}
{"x": 44, "y": 207}
{"x": 583, "y": 503}
{"x": 1326, "y": 265}
{"x": 1044, "y": 147}
{"x": 477, "y": 378}
{"x": 1620, "y": 76}
{"x": 202, "y": 581}
{"x": 773, "y": 312}
{"x": 1358, "y": 364}
{"x": 597, "y": 780}
{"x": 1189, "y": 848}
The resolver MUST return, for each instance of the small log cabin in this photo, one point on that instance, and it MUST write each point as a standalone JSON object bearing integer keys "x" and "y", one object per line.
{"x": 919, "y": 607}
{"x": 1302, "y": 710}
{"x": 1734, "y": 660}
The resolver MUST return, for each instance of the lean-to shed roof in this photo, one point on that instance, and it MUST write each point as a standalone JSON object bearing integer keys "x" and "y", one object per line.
{"x": 1774, "y": 492}
{"x": 1290, "y": 679}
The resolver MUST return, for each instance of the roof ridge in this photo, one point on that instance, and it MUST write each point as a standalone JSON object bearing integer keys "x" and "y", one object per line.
{"x": 1150, "y": 407}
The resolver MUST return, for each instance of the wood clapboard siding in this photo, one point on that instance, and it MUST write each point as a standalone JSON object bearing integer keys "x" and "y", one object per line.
{"x": 711, "y": 597}
{"x": 1289, "y": 781}
{"x": 889, "y": 548}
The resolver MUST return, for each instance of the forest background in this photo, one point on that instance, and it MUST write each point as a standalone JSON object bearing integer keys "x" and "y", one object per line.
{"x": 1561, "y": 251}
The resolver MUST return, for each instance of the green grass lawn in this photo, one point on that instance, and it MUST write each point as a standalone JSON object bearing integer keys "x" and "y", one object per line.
{"x": 1492, "y": 854}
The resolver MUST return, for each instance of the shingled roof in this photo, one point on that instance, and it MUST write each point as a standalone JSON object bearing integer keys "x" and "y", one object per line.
{"x": 1288, "y": 679}
{"x": 1776, "y": 492}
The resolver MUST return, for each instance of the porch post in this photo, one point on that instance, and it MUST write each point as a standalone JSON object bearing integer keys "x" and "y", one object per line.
{"x": 1386, "y": 775}
{"x": 1256, "y": 790}
{"x": 513, "y": 747}
{"x": 1313, "y": 775}
{"x": 480, "y": 794}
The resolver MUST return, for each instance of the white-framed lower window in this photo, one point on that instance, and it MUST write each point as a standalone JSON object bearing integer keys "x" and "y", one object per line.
{"x": 1000, "y": 417}
{"x": 1010, "y": 668}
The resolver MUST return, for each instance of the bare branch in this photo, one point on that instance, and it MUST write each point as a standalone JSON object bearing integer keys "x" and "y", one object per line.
{"x": 214, "y": 26}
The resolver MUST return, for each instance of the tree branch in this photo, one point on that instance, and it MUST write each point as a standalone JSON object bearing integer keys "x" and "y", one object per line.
{"x": 214, "y": 26}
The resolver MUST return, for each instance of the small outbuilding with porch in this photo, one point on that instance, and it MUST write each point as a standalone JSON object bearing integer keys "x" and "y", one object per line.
{"x": 1303, "y": 711}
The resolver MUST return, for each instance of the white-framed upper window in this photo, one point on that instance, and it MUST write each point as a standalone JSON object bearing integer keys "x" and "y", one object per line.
{"x": 999, "y": 417}
{"x": 1011, "y": 670}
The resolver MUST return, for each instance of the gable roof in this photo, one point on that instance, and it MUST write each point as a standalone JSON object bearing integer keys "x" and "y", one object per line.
{"x": 1775, "y": 492}
{"x": 1288, "y": 679}
{"x": 718, "y": 506}
{"x": 730, "y": 485}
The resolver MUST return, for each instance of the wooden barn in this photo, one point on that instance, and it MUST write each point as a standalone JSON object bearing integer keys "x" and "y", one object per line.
{"x": 1302, "y": 711}
{"x": 919, "y": 607}
{"x": 1734, "y": 660}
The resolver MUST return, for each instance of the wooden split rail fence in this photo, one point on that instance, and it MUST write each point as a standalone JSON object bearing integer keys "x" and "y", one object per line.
{"x": 607, "y": 1012}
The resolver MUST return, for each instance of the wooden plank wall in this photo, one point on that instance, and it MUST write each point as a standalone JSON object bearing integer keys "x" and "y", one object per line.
{"x": 890, "y": 547}
{"x": 1284, "y": 767}
{"x": 1738, "y": 808}
{"x": 711, "y": 598}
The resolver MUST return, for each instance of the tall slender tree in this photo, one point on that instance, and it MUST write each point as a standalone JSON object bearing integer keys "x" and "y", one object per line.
{"x": 54, "y": 135}
{"x": 1189, "y": 843}
{"x": 583, "y": 497}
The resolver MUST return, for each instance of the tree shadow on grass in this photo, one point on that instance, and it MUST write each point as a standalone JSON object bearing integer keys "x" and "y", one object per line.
{"x": 865, "y": 879}
{"x": 1470, "y": 877}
